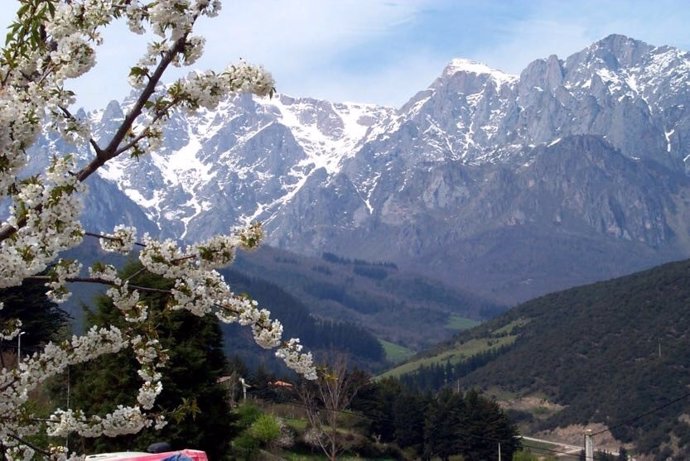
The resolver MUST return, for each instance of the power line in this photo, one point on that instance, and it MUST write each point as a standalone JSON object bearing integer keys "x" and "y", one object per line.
{"x": 549, "y": 450}
{"x": 642, "y": 415}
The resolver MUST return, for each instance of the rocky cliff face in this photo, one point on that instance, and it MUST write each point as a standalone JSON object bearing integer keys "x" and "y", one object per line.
{"x": 571, "y": 172}
{"x": 512, "y": 186}
{"x": 240, "y": 163}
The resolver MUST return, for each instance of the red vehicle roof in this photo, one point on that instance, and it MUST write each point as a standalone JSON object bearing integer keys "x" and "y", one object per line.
{"x": 178, "y": 455}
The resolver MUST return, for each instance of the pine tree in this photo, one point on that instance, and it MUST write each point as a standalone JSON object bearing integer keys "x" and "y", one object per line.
{"x": 375, "y": 401}
{"x": 484, "y": 426}
{"x": 408, "y": 418}
{"x": 42, "y": 320}
{"x": 196, "y": 404}
{"x": 441, "y": 425}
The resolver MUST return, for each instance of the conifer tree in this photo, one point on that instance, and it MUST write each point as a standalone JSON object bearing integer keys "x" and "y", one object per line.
{"x": 408, "y": 417}
{"x": 195, "y": 403}
{"x": 41, "y": 319}
{"x": 484, "y": 426}
{"x": 441, "y": 425}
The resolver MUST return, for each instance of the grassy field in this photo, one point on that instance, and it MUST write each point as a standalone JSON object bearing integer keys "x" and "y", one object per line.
{"x": 456, "y": 355}
{"x": 503, "y": 336}
{"x": 455, "y": 322}
{"x": 395, "y": 353}
{"x": 508, "y": 328}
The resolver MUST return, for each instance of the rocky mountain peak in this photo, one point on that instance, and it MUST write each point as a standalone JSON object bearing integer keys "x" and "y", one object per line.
{"x": 466, "y": 77}
{"x": 503, "y": 184}
{"x": 614, "y": 54}
{"x": 113, "y": 111}
{"x": 626, "y": 51}
{"x": 546, "y": 74}
{"x": 474, "y": 67}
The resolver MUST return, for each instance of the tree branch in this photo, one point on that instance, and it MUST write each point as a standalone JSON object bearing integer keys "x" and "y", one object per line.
{"x": 111, "y": 150}
{"x": 29, "y": 444}
{"x": 159, "y": 114}
{"x": 108, "y": 237}
{"x": 99, "y": 281}
{"x": 92, "y": 141}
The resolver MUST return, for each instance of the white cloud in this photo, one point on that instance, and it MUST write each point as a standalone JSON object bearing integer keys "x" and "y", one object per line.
{"x": 322, "y": 48}
{"x": 294, "y": 34}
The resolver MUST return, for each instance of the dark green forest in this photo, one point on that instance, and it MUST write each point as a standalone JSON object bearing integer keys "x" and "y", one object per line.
{"x": 321, "y": 335}
{"x": 615, "y": 352}
{"x": 387, "y": 419}
{"x": 441, "y": 424}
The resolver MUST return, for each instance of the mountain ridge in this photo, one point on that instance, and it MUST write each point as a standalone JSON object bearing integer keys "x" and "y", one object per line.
{"x": 441, "y": 184}
{"x": 607, "y": 353}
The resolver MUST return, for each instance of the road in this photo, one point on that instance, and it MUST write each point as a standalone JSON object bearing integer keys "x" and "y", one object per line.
{"x": 558, "y": 450}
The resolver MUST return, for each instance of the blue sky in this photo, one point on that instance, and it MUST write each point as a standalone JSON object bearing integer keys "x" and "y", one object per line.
{"x": 384, "y": 51}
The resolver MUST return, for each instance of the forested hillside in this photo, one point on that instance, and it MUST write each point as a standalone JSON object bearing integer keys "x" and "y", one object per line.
{"x": 331, "y": 303}
{"x": 394, "y": 304}
{"x": 616, "y": 352}
{"x": 320, "y": 335}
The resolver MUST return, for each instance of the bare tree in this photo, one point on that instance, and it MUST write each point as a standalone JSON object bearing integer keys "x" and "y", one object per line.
{"x": 325, "y": 399}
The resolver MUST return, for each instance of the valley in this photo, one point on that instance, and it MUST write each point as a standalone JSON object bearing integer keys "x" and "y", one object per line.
{"x": 522, "y": 234}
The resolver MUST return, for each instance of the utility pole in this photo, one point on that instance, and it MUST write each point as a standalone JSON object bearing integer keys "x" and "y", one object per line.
{"x": 19, "y": 347}
{"x": 499, "y": 451}
{"x": 68, "y": 405}
{"x": 589, "y": 446}
{"x": 245, "y": 386}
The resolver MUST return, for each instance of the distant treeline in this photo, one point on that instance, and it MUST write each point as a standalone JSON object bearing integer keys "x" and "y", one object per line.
{"x": 333, "y": 258}
{"x": 298, "y": 322}
{"x": 436, "y": 376}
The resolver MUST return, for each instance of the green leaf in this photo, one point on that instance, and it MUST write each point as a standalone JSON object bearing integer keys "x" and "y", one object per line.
{"x": 137, "y": 71}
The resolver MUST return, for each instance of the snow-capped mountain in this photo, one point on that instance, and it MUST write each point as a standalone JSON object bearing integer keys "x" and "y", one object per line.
{"x": 516, "y": 185}
{"x": 573, "y": 171}
{"x": 239, "y": 163}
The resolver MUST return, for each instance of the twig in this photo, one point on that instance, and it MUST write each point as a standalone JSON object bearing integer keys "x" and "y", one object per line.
{"x": 29, "y": 444}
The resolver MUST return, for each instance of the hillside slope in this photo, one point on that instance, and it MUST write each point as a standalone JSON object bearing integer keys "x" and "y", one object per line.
{"x": 616, "y": 353}
{"x": 329, "y": 302}
{"x": 394, "y": 304}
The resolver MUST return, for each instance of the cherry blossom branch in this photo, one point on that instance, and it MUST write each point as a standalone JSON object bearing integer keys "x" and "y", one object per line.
{"x": 100, "y": 281}
{"x": 109, "y": 237}
{"x": 145, "y": 132}
{"x": 29, "y": 444}
{"x": 110, "y": 151}
{"x": 92, "y": 141}
{"x": 50, "y": 43}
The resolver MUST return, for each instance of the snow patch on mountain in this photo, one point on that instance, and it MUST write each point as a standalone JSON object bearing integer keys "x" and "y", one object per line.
{"x": 264, "y": 150}
{"x": 328, "y": 132}
{"x": 474, "y": 67}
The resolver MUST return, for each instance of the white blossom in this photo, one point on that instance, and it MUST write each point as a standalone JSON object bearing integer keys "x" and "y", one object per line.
{"x": 10, "y": 329}
{"x": 63, "y": 270}
{"x": 121, "y": 240}
{"x": 44, "y": 209}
